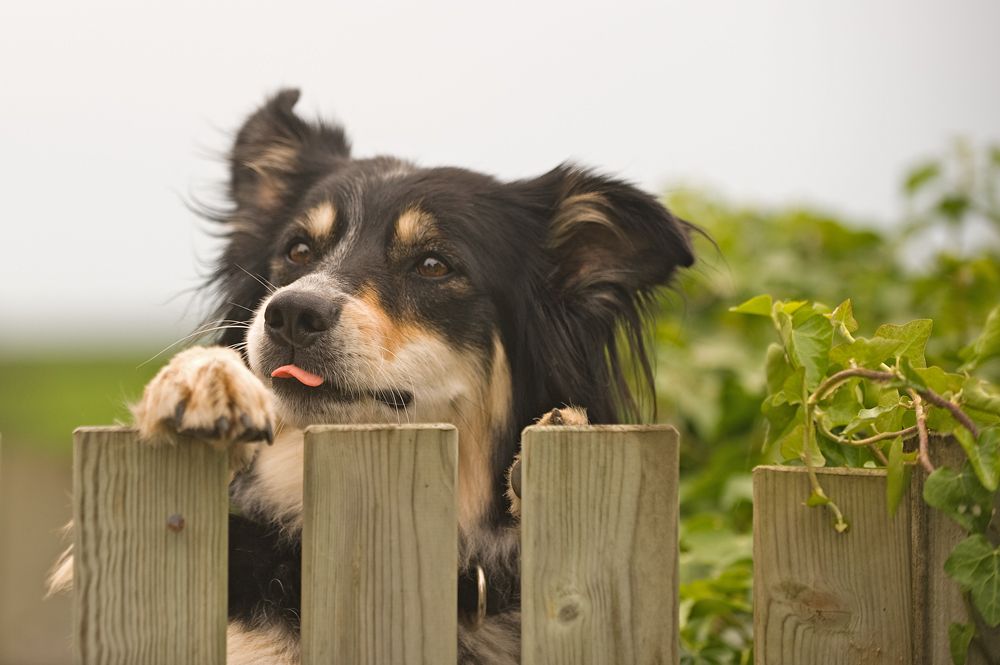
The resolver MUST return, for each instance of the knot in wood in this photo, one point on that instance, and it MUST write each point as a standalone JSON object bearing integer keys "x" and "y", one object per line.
{"x": 175, "y": 523}
{"x": 568, "y": 612}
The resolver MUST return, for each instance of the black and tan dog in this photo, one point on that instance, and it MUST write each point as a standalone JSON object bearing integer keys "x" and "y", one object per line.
{"x": 375, "y": 291}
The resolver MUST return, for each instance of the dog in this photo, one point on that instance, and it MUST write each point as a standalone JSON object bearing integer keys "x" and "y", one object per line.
{"x": 377, "y": 291}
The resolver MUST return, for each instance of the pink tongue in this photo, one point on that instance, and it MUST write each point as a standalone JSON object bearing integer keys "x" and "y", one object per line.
{"x": 293, "y": 372}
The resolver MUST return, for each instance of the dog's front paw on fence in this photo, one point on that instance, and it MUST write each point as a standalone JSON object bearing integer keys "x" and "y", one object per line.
{"x": 210, "y": 394}
{"x": 569, "y": 415}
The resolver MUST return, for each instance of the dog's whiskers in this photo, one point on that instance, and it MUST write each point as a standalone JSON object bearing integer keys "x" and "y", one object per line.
{"x": 236, "y": 304}
{"x": 201, "y": 330}
{"x": 271, "y": 288}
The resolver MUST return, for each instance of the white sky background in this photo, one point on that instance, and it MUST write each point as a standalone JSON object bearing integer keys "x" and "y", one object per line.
{"x": 114, "y": 113}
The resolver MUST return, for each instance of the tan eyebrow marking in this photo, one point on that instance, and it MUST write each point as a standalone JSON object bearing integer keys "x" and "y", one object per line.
{"x": 320, "y": 221}
{"x": 414, "y": 226}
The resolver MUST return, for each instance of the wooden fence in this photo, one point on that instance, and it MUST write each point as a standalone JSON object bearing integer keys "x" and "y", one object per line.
{"x": 599, "y": 554}
{"x": 599, "y": 547}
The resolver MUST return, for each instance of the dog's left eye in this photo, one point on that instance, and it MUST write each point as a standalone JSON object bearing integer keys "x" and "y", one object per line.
{"x": 300, "y": 253}
{"x": 431, "y": 266}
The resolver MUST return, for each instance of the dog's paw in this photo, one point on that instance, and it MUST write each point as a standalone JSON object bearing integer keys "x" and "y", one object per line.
{"x": 570, "y": 415}
{"x": 210, "y": 394}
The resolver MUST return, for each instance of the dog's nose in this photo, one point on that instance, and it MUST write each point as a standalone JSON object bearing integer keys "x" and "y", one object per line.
{"x": 298, "y": 318}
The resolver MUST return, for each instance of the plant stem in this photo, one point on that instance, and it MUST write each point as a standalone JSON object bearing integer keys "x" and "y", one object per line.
{"x": 909, "y": 431}
{"x": 835, "y": 381}
{"x": 842, "y": 329}
{"x": 843, "y": 376}
{"x": 955, "y": 410}
{"x": 924, "y": 457}
{"x": 841, "y": 525}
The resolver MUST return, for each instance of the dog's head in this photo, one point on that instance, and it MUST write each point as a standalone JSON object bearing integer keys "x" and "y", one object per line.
{"x": 378, "y": 291}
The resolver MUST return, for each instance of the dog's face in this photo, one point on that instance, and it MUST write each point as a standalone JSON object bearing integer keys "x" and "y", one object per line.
{"x": 377, "y": 291}
{"x": 380, "y": 293}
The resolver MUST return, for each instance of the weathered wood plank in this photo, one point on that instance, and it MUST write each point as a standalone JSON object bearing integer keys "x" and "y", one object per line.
{"x": 147, "y": 591}
{"x": 599, "y": 578}
{"x": 822, "y": 596}
{"x": 380, "y": 545}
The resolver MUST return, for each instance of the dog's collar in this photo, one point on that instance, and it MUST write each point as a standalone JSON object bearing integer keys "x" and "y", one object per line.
{"x": 483, "y": 593}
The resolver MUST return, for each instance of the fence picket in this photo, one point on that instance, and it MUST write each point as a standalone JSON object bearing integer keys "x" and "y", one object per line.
{"x": 151, "y": 550}
{"x": 599, "y": 572}
{"x": 822, "y": 596}
{"x": 380, "y": 545}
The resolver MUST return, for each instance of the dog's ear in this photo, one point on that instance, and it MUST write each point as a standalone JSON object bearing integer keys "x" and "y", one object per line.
{"x": 608, "y": 238}
{"x": 276, "y": 152}
{"x": 607, "y": 247}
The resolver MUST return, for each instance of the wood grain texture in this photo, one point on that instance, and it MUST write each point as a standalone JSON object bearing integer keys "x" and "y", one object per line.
{"x": 146, "y": 593}
{"x": 380, "y": 545}
{"x": 823, "y": 597}
{"x": 599, "y": 576}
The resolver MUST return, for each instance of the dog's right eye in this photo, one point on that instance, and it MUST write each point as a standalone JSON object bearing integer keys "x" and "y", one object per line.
{"x": 300, "y": 253}
{"x": 431, "y": 266}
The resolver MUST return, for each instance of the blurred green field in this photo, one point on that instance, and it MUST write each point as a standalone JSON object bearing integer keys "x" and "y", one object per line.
{"x": 42, "y": 400}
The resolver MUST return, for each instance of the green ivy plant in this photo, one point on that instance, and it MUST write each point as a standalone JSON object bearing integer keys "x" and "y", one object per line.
{"x": 857, "y": 401}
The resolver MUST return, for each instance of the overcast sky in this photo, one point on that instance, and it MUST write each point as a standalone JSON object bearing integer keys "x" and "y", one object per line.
{"x": 116, "y": 113}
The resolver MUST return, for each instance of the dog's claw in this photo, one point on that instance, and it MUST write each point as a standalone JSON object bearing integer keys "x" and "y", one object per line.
{"x": 247, "y": 423}
{"x": 269, "y": 433}
{"x": 222, "y": 426}
{"x": 556, "y": 418}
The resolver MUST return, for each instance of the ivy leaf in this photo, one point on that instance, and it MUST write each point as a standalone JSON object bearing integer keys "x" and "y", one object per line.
{"x": 784, "y": 323}
{"x": 987, "y": 345}
{"x": 941, "y": 421}
{"x": 793, "y": 444}
{"x": 776, "y": 368}
{"x": 982, "y": 418}
{"x": 816, "y": 500}
{"x": 791, "y": 306}
{"x": 960, "y": 496}
{"x": 759, "y": 306}
{"x": 959, "y": 638}
{"x": 898, "y": 476}
{"x": 844, "y": 405}
{"x": 913, "y": 335}
{"x": 868, "y": 353}
{"x": 807, "y": 311}
{"x": 913, "y": 380}
{"x": 837, "y": 455}
{"x": 780, "y": 419}
{"x": 984, "y": 454}
{"x": 794, "y": 387}
{"x": 864, "y": 418}
{"x": 843, "y": 316}
{"x": 810, "y": 348}
{"x": 975, "y": 396}
{"x": 975, "y": 564}
{"x": 891, "y": 420}
{"x": 940, "y": 381}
